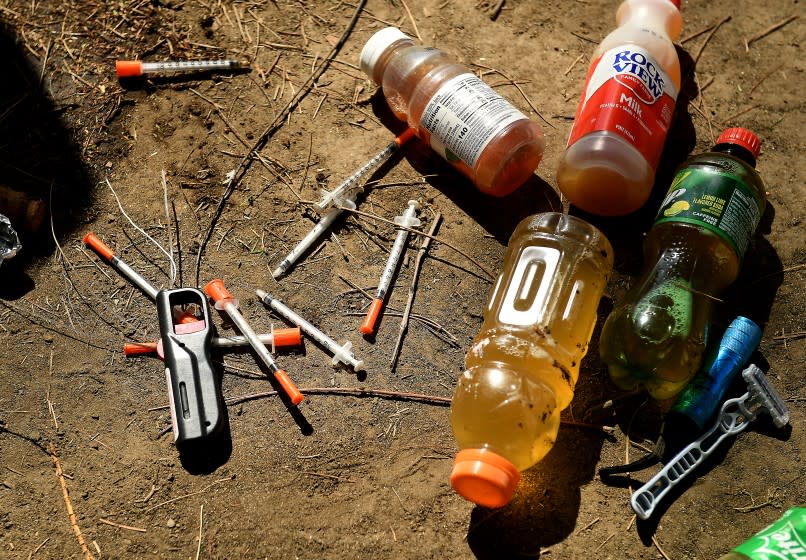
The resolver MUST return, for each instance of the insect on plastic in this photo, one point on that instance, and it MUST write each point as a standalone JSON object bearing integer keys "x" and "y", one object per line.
{"x": 343, "y": 196}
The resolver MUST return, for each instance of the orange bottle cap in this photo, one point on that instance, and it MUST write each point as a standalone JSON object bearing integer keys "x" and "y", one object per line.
{"x": 287, "y": 337}
{"x": 484, "y": 478}
{"x": 216, "y": 290}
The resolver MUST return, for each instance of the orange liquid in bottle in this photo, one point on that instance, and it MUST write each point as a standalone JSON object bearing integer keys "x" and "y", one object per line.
{"x": 465, "y": 121}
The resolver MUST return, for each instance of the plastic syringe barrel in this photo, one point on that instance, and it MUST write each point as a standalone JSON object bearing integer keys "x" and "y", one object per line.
{"x": 700, "y": 399}
{"x": 305, "y": 243}
{"x": 374, "y": 162}
{"x": 341, "y": 352}
{"x": 93, "y": 242}
{"x": 224, "y": 301}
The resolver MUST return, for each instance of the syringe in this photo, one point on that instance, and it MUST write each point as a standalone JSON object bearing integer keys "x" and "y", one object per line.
{"x": 132, "y": 68}
{"x": 337, "y": 197}
{"x": 225, "y": 302}
{"x": 342, "y": 196}
{"x": 278, "y": 338}
{"x": 408, "y": 219}
{"x": 103, "y": 250}
{"x": 341, "y": 352}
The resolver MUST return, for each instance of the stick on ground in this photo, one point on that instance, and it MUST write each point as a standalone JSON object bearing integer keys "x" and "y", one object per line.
{"x": 239, "y": 173}
{"x": 418, "y": 263}
{"x": 69, "y": 505}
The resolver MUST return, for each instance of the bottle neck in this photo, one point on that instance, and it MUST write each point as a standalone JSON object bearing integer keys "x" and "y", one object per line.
{"x": 661, "y": 16}
{"x": 380, "y": 64}
{"x": 737, "y": 151}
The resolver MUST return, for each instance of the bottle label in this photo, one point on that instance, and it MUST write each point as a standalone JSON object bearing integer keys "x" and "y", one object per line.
{"x": 524, "y": 303}
{"x": 629, "y": 94}
{"x": 717, "y": 201}
{"x": 783, "y": 540}
{"x": 464, "y": 115}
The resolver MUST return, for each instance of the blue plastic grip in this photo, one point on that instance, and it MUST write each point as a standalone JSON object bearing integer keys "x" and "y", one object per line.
{"x": 701, "y": 398}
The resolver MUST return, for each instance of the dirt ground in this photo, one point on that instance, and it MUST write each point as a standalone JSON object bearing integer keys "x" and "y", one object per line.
{"x": 346, "y": 477}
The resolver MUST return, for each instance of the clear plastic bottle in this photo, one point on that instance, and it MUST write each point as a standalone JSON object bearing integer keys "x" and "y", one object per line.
{"x": 785, "y": 539}
{"x": 465, "y": 121}
{"x": 524, "y": 363}
{"x": 608, "y": 167}
{"x": 655, "y": 337}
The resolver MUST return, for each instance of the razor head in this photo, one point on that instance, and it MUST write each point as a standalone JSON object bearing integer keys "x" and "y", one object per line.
{"x": 764, "y": 397}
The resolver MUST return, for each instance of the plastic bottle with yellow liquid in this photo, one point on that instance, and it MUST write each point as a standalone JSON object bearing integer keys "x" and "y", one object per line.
{"x": 463, "y": 119}
{"x": 655, "y": 336}
{"x": 524, "y": 363}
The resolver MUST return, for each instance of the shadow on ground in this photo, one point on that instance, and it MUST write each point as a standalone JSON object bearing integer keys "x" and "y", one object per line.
{"x": 38, "y": 160}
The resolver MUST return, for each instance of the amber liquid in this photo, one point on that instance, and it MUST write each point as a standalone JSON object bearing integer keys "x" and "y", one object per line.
{"x": 410, "y": 77}
{"x": 655, "y": 337}
{"x": 524, "y": 363}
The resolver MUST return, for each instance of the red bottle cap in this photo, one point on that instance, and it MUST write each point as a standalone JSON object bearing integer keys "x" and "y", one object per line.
{"x": 741, "y": 137}
{"x": 484, "y": 478}
{"x": 676, "y": 3}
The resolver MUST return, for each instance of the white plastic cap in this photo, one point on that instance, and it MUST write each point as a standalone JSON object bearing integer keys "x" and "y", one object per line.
{"x": 376, "y": 45}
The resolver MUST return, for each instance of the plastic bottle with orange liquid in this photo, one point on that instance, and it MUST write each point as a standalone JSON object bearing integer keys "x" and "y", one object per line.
{"x": 608, "y": 167}
{"x": 524, "y": 363}
{"x": 465, "y": 121}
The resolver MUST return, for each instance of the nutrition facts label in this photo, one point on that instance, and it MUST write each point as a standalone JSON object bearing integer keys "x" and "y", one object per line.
{"x": 464, "y": 115}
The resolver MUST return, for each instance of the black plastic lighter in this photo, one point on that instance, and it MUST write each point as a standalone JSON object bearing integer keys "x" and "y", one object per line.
{"x": 194, "y": 386}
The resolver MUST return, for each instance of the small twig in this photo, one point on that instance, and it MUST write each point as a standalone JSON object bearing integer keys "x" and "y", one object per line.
{"x": 411, "y": 19}
{"x": 588, "y": 39}
{"x": 69, "y": 505}
{"x": 798, "y": 334}
{"x": 604, "y": 542}
{"x": 331, "y": 476}
{"x": 164, "y": 177}
{"x": 696, "y": 57}
{"x": 219, "y": 481}
{"x": 240, "y": 172}
{"x": 121, "y": 526}
{"x": 418, "y": 263}
{"x": 571, "y": 67}
{"x": 770, "y": 29}
{"x": 740, "y": 113}
{"x": 520, "y": 90}
{"x": 588, "y": 526}
{"x": 34, "y": 551}
{"x": 496, "y": 10}
{"x": 418, "y": 232}
{"x": 352, "y": 392}
{"x": 764, "y": 77}
{"x": 201, "y": 525}
{"x": 657, "y": 545}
